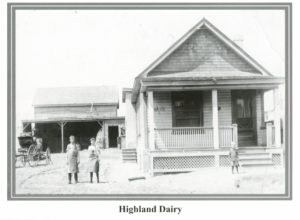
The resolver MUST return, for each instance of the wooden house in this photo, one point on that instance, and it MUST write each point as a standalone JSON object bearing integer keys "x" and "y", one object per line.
{"x": 203, "y": 93}
{"x": 81, "y": 111}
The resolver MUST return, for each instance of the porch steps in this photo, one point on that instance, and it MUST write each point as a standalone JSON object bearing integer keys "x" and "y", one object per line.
{"x": 254, "y": 157}
{"x": 246, "y": 138}
{"x": 129, "y": 155}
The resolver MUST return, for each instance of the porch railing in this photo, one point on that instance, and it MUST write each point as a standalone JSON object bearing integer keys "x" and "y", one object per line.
{"x": 193, "y": 137}
{"x": 184, "y": 137}
{"x": 227, "y": 134}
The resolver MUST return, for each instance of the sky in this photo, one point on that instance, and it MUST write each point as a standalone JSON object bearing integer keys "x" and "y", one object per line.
{"x": 111, "y": 47}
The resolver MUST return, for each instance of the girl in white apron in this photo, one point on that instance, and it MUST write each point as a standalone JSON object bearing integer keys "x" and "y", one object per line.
{"x": 93, "y": 160}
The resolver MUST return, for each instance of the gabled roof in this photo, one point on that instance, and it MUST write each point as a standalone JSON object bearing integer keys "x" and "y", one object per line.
{"x": 201, "y": 71}
{"x": 76, "y": 96}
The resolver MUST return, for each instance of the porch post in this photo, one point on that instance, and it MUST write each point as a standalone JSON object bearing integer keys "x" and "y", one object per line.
{"x": 62, "y": 124}
{"x": 215, "y": 120}
{"x": 151, "y": 137}
{"x": 277, "y": 118}
{"x": 143, "y": 136}
{"x": 269, "y": 134}
{"x": 235, "y": 135}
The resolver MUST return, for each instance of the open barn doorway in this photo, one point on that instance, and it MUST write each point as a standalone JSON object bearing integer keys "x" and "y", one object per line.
{"x": 113, "y": 133}
{"x": 82, "y": 131}
{"x": 51, "y": 134}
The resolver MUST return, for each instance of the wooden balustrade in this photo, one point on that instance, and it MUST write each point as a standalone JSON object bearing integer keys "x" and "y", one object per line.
{"x": 193, "y": 137}
{"x": 184, "y": 138}
{"x": 226, "y": 136}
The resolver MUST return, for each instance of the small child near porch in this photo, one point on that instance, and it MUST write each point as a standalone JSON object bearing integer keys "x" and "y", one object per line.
{"x": 234, "y": 157}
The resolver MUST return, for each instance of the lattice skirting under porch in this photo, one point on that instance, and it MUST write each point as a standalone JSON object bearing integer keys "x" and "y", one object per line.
{"x": 276, "y": 159}
{"x": 164, "y": 162}
{"x": 172, "y": 163}
{"x": 224, "y": 161}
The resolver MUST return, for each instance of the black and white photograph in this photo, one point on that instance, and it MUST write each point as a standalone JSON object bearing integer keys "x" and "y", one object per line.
{"x": 148, "y": 102}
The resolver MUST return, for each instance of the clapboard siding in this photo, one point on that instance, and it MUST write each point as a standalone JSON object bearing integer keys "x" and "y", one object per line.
{"x": 75, "y": 112}
{"x": 207, "y": 109}
{"x": 130, "y": 122}
{"x": 162, "y": 109}
{"x": 203, "y": 51}
{"x": 224, "y": 102}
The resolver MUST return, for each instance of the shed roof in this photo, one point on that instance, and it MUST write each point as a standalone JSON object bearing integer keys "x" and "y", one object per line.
{"x": 76, "y": 96}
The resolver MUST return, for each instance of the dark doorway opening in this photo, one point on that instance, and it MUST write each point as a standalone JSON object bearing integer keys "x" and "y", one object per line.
{"x": 113, "y": 133}
{"x": 82, "y": 131}
{"x": 51, "y": 134}
{"x": 244, "y": 115}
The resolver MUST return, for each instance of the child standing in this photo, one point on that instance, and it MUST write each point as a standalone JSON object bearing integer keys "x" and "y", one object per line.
{"x": 73, "y": 159}
{"x": 234, "y": 157}
{"x": 93, "y": 160}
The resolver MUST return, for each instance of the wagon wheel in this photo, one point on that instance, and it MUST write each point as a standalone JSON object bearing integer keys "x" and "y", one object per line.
{"x": 48, "y": 156}
{"x": 23, "y": 160}
{"x": 32, "y": 156}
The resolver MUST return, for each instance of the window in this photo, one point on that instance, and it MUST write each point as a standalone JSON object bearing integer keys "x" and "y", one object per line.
{"x": 187, "y": 109}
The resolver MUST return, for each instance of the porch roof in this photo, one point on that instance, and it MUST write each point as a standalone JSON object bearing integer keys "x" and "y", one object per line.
{"x": 234, "y": 73}
{"x": 198, "y": 82}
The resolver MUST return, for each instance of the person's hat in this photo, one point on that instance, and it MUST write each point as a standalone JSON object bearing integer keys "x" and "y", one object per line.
{"x": 92, "y": 139}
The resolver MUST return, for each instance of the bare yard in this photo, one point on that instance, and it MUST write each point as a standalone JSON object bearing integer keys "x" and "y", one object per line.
{"x": 52, "y": 179}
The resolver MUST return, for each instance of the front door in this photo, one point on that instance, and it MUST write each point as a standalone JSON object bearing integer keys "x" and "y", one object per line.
{"x": 113, "y": 133}
{"x": 243, "y": 114}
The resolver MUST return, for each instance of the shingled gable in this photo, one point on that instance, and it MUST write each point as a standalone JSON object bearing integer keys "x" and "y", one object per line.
{"x": 203, "y": 52}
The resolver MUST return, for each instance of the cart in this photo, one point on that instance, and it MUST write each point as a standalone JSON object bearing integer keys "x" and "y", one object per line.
{"x": 29, "y": 153}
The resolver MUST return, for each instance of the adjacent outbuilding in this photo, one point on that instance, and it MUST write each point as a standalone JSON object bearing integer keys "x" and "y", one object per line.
{"x": 81, "y": 111}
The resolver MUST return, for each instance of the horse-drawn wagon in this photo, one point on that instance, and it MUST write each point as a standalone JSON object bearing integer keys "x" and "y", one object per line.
{"x": 31, "y": 151}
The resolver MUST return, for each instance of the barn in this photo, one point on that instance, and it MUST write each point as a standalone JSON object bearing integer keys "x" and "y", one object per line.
{"x": 81, "y": 111}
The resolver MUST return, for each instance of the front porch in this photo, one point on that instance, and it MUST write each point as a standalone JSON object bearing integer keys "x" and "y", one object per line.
{"x": 209, "y": 119}
{"x": 174, "y": 148}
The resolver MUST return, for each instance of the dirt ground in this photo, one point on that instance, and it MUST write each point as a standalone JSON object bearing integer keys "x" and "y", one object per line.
{"x": 52, "y": 179}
